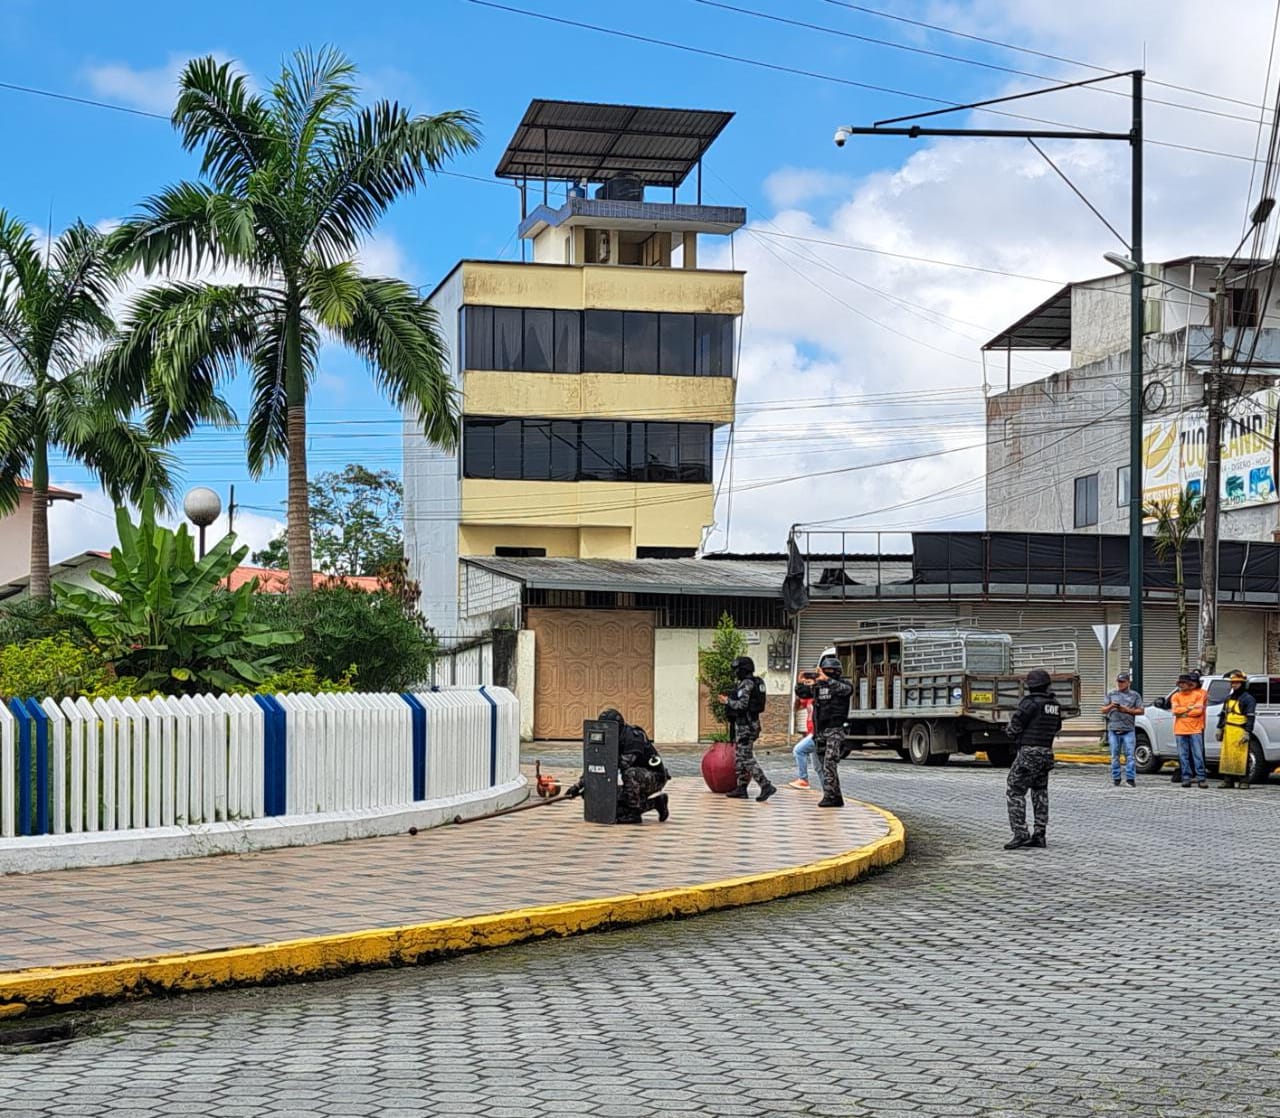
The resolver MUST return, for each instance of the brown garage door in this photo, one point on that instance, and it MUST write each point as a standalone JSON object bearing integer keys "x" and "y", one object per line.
{"x": 586, "y": 660}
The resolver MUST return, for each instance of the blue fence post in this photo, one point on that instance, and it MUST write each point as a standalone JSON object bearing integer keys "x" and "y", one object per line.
{"x": 418, "y": 714}
{"x": 493, "y": 737}
{"x": 20, "y": 712}
{"x": 40, "y": 724}
{"x": 275, "y": 744}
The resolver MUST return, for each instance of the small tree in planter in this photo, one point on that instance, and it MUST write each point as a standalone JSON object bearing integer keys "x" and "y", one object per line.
{"x": 714, "y": 667}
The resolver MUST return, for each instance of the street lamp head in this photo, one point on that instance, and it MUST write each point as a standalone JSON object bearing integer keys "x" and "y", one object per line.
{"x": 202, "y": 506}
{"x": 1121, "y": 261}
{"x": 1262, "y": 211}
{"x": 841, "y": 137}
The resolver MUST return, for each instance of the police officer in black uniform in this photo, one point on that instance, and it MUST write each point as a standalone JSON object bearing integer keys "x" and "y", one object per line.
{"x": 830, "y": 695}
{"x": 643, "y": 773}
{"x": 1032, "y": 729}
{"x": 744, "y": 707}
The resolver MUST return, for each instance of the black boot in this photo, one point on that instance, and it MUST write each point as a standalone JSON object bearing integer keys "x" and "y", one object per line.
{"x": 765, "y": 792}
{"x": 1038, "y": 841}
{"x": 1018, "y": 842}
{"x": 829, "y": 800}
{"x": 663, "y": 806}
{"x": 739, "y": 793}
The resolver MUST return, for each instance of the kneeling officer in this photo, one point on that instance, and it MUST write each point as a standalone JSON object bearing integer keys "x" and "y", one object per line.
{"x": 1032, "y": 728}
{"x": 643, "y": 773}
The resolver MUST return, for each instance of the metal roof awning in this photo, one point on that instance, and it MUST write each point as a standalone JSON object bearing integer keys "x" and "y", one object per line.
{"x": 1046, "y": 327}
{"x": 575, "y": 140}
{"x": 744, "y": 578}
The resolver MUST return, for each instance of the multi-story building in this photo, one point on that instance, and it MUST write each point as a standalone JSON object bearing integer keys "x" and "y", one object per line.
{"x": 592, "y": 377}
{"x": 1058, "y": 447}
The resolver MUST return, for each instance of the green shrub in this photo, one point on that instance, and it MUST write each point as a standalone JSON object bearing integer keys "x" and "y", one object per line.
{"x": 304, "y": 681}
{"x": 168, "y": 620}
{"x": 714, "y": 671}
{"x": 54, "y": 667}
{"x": 345, "y": 631}
{"x": 29, "y": 619}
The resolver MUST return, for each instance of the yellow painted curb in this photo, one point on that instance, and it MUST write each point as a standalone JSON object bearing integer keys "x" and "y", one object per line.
{"x": 1068, "y": 758}
{"x": 47, "y": 988}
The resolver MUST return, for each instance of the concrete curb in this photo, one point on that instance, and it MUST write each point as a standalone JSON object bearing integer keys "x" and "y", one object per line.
{"x": 1069, "y": 758}
{"x": 52, "y": 988}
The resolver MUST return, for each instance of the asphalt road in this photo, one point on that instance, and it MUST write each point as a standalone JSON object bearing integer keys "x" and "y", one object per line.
{"x": 1129, "y": 969}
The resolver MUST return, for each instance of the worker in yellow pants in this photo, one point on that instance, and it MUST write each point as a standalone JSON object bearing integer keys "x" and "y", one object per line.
{"x": 1235, "y": 727}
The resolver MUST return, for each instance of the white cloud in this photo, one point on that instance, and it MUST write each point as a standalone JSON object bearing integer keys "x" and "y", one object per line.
{"x": 153, "y": 90}
{"x": 383, "y": 255}
{"x": 897, "y": 381}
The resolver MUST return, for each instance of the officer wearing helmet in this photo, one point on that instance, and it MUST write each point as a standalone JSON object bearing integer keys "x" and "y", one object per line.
{"x": 1032, "y": 729}
{"x": 830, "y": 694}
{"x": 745, "y": 705}
{"x": 641, "y": 769}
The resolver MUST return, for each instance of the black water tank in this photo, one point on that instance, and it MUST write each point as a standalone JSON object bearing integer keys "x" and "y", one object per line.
{"x": 622, "y": 188}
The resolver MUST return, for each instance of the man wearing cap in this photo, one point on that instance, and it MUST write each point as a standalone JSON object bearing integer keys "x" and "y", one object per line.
{"x": 1235, "y": 726}
{"x": 1123, "y": 705}
{"x": 1188, "y": 704}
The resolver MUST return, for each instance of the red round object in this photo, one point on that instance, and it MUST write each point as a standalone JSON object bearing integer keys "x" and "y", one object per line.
{"x": 718, "y": 768}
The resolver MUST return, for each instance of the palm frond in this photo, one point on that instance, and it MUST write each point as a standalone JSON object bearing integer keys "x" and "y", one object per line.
{"x": 186, "y": 226}
{"x": 20, "y": 259}
{"x": 313, "y": 91}
{"x": 333, "y": 293}
{"x": 218, "y": 111}
{"x": 373, "y": 159}
{"x": 397, "y": 334}
{"x": 17, "y": 442}
{"x": 266, "y": 435}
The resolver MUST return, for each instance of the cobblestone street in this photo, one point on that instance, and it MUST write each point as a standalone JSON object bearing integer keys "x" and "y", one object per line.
{"x": 1127, "y": 970}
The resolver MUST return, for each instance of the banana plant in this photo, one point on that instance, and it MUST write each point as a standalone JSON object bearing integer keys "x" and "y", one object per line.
{"x": 166, "y": 617}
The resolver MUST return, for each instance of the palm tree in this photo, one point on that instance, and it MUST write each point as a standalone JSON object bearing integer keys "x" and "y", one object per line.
{"x": 296, "y": 178}
{"x": 54, "y": 321}
{"x": 1177, "y": 522}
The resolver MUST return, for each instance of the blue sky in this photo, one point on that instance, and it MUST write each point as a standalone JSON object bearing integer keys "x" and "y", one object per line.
{"x": 74, "y": 160}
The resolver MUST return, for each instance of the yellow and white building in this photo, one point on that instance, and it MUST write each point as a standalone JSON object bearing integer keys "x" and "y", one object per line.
{"x": 592, "y": 377}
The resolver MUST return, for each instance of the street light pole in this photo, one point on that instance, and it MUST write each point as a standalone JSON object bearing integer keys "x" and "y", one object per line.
{"x": 1134, "y": 138}
{"x": 1211, "y": 486}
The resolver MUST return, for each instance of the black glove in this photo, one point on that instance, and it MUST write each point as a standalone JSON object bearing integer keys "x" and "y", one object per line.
{"x": 573, "y": 791}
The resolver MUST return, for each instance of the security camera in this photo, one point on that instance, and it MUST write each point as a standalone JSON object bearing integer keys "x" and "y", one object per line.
{"x": 842, "y": 134}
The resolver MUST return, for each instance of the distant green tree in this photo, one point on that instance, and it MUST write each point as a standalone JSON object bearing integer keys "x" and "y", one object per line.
{"x": 355, "y": 524}
{"x": 1177, "y": 522}
{"x": 714, "y": 670}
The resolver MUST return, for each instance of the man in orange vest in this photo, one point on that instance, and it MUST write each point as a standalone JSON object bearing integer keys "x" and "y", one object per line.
{"x": 1188, "y": 705}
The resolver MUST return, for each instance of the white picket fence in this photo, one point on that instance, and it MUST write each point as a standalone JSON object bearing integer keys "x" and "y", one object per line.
{"x": 112, "y": 765}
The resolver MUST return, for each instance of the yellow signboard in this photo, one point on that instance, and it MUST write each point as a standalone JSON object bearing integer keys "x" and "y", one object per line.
{"x": 1173, "y": 453}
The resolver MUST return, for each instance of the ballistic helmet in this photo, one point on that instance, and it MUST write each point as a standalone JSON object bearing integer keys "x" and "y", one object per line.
{"x": 742, "y": 667}
{"x": 831, "y": 665}
{"x": 611, "y": 715}
{"x": 1038, "y": 680}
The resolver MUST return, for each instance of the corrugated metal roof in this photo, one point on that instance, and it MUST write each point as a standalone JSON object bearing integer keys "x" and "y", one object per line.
{"x": 573, "y": 140}
{"x": 643, "y": 576}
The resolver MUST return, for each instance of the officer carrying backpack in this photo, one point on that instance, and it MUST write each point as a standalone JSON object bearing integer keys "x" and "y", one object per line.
{"x": 755, "y": 704}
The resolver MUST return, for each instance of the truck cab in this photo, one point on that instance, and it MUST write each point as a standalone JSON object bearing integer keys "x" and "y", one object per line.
{"x": 1156, "y": 742}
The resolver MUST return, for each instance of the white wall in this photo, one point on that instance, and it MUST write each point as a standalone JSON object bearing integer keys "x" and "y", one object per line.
{"x": 15, "y": 541}
{"x": 525, "y": 645}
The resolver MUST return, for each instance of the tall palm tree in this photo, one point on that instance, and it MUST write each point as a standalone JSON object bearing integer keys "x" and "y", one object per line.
{"x": 55, "y": 320}
{"x": 294, "y": 179}
{"x": 1177, "y": 522}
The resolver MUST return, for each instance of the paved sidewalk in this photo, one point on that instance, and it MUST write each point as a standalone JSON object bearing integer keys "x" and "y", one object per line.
{"x": 541, "y": 857}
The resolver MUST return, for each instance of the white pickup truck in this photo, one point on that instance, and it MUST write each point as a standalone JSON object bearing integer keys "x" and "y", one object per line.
{"x": 1157, "y": 744}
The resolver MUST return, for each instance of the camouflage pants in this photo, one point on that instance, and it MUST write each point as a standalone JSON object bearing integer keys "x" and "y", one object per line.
{"x": 1029, "y": 773}
{"x": 830, "y": 742}
{"x": 638, "y": 787}
{"x": 744, "y": 755}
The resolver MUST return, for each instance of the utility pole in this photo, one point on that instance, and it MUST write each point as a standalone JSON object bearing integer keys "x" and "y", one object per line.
{"x": 1212, "y": 487}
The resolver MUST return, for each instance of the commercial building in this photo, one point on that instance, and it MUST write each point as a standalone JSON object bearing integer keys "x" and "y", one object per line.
{"x": 1058, "y": 447}
{"x": 593, "y": 377}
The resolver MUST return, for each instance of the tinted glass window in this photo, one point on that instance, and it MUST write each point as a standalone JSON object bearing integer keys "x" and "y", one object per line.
{"x": 713, "y": 339}
{"x": 568, "y": 330}
{"x": 662, "y": 452}
{"x": 695, "y": 452}
{"x": 506, "y": 449}
{"x": 564, "y": 450}
{"x": 478, "y": 337}
{"x": 602, "y": 341}
{"x": 1275, "y": 691}
{"x": 1219, "y": 689}
{"x": 537, "y": 450}
{"x": 604, "y": 450}
{"x": 1086, "y": 501}
{"x": 538, "y": 340}
{"x": 1258, "y": 689}
{"x": 477, "y": 448}
{"x": 676, "y": 357}
{"x": 508, "y": 337}
{"x": 639, "y": 342}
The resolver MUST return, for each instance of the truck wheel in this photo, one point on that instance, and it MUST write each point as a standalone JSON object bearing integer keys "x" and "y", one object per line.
{"x": 1258, "y": 770}
{"x": 917, "y": 740}
{"x": 1144, "y": 757}
{"x": 1000, "y": 756}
